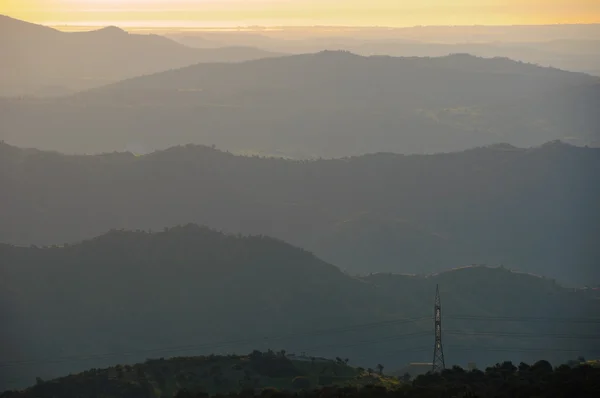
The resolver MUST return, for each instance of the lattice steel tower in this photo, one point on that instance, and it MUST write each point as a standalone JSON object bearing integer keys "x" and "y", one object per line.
{"x": 438, "y": 351}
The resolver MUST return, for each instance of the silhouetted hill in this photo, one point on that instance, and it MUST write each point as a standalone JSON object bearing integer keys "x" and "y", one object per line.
{"x": 210, "y": 375}
{"x": 39, "y": 60}
{"x": 573, "y": 54}
{"x": 25, "y": 30}
{"x": 503, "y": 380}
{"x": 324, "y": 70}
{"x": 533, "y": 209}
{"x": 126, "y": 296}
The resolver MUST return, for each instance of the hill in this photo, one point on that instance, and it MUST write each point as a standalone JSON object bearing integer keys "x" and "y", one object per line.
{"x": 561, "y": 51}
{"x": 126, "y": 296}
{"x": 329, "y": 104}
{"x": 38, "y": 60}
{"x": 555, "y": 46}
{"x": 530, "y": 209}
{"x": 502, "y": 380}
{"x": 571, "y": 55}
{"x": 211, "y": 375}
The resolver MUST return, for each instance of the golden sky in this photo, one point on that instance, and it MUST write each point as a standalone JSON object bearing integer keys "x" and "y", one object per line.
{"x": 302, "y": 12}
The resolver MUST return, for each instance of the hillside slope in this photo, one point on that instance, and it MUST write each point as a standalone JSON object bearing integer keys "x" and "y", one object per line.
{"x": 530, "y": 209}
{"x": 125, "y": 296}
{"x": 211, "y": 374}
{"x": 329, "y": 104}
{"x": 38, "y": 60}
{"x": 549, "y": 49}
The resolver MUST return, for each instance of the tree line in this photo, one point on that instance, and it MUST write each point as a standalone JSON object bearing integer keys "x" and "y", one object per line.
{"x": 505, "y": 379}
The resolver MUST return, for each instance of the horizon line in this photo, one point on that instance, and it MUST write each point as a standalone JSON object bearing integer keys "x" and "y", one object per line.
{"x": 190, "y": 24}
{"x": 86, "y": 24}
{"x": 218, "y": 27}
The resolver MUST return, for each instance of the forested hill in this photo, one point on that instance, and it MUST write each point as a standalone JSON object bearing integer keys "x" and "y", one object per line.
{"x": 125, "y": 296}
{"x": 209, "y": 375}
{"x": 530, "y": 209}
{"x": 327, "y": 104}
{"x": 199, "y": 378}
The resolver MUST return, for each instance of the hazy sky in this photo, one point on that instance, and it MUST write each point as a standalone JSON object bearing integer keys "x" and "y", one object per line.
{"x": 302, "y": 12}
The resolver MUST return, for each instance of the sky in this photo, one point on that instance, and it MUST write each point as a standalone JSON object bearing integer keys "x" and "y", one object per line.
{"x": 394, "y": 13}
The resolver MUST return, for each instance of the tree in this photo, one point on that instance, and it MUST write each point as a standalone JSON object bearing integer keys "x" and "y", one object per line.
{"x": 380, "y": 369}
{"x": 507, "y": 369}
{"x": 542, "y": 368}
{"x": 301, "y": 383}
{"x": 524, "y": 368}
{"x": 564, "y": 381}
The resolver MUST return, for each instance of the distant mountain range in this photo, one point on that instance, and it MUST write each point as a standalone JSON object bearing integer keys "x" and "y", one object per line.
{"x": 531, "y": 209}
{"x": 126, "y": 296}
{"x": 38, "y": 60}
{"x": 546, "y": 47}
{"x": 542, "y": 36}
{"x": 385, "y": 228}
{"x": 329, "y": 104}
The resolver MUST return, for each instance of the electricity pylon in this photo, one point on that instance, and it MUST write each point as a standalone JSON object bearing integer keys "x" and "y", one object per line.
{"x": 438, "y": 350}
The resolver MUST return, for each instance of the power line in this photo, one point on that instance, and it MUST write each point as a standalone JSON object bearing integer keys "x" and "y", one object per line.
{"x": 520, "y": 349}
{"x": 518, "y": 334}
{"x": 522, "y": 319}
{"x": 373, "y": 341}
{"x": 451, "y": 332}
{"x": 357, "y": 327}
{"x": 213, "y": 345}
{"x": 396, "y": 352}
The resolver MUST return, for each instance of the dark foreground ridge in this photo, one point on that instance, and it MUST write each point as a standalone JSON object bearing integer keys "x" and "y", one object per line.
{"x": 273, "y": 375}
{"x": 125, "y": 296}
{"x": 211, "y": 374}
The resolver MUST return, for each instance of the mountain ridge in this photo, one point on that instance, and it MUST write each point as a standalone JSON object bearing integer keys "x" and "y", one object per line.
{"x": 330, "y": 104}
{"x": 409, "y": 213}
{"x": 203, "y": 290}
{"x": 339, "y": 57}
{"x": 46, "y": 59}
